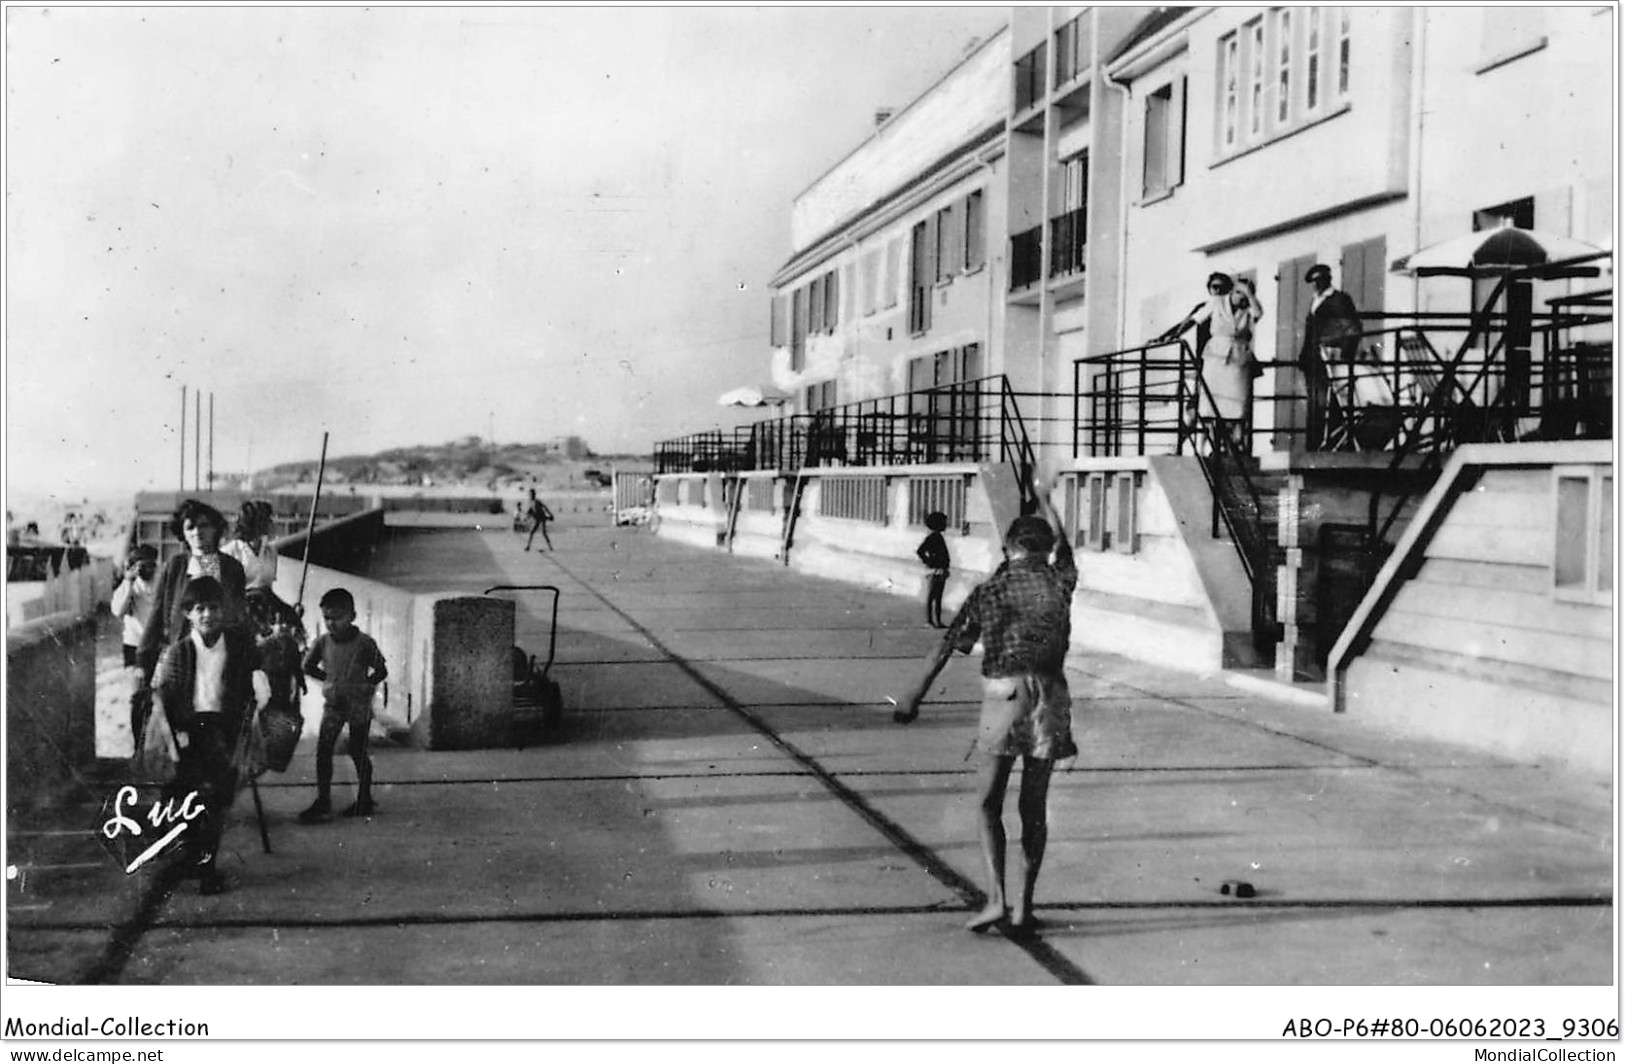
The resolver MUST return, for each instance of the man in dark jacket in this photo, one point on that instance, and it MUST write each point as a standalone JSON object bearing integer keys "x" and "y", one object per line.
{"x": 1331, "y": 335}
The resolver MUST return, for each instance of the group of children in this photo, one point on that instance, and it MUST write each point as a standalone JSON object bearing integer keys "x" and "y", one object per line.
{"x": 203, "y": 686}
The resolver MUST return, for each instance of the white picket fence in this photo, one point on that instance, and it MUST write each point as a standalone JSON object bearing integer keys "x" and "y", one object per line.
{"x": 77, "y": 591}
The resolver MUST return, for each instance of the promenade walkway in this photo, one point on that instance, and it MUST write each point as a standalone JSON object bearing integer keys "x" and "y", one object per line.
{"x": 732, "y": 804}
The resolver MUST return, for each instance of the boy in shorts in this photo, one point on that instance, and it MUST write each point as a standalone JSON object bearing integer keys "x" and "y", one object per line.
{"x": 1022, "y": 617}
{"x": 349, "y": 665}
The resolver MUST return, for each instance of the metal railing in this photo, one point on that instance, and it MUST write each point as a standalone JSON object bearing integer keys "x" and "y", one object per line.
{"x": 971, "y": 421}
{"x": 1135, "y": 401}
{"x": 1068, "y": 242}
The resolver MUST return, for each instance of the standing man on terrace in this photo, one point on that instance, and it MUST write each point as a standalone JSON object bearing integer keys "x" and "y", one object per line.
{"x": 1331, "y": 337}
{"x": 1022, "y": 615}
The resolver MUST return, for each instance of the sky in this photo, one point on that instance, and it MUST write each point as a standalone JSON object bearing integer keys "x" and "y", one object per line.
{"x": 410, "y": 225}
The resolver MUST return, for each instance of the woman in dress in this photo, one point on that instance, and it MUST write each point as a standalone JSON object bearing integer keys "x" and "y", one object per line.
{"x": 1231, "y": 312}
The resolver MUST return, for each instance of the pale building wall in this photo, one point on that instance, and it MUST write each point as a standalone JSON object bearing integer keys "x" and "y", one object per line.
{"x": 1539, "y": 124}
{"x": 1478, "y": 646}
{"x": 1322, "y": 176}
{"x": 967, "y": 100}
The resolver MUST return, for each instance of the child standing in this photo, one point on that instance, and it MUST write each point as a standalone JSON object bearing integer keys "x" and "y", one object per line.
{"x": 933, "y": 551}
{"x": 350, "y": 665}
{"x": 204, "y": 686}
{"x": 132, "y": 600}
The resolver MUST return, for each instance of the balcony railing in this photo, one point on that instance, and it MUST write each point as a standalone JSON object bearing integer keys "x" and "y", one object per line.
{"x": 1067, "y": 243}
{"x": 973, "y": 421}
{"x": 1026, "y": 258}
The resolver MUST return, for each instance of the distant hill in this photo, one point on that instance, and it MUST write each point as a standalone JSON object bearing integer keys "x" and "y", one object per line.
{"x": 468, "y": 462}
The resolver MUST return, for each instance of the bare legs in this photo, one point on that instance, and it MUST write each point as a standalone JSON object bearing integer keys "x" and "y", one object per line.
{"x": 991, "y": 781}
{"x": 1033, "y": 806}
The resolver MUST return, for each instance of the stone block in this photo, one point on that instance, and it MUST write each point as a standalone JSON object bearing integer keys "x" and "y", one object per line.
{"x": 464, "y": 647}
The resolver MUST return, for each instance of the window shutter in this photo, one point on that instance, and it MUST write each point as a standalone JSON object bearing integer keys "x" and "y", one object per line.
{"x": 778, "y": 334}
{"x": 928, "y": 273}
{"x": 832, "y": 300}
{"x": 889, "y": 282}
{"x": 975, "y": 231}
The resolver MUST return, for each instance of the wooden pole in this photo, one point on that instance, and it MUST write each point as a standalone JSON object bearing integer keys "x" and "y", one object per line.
{"x": 211, "y": 441}
{"x": 310, "y": 526}
{"x": 197, "y": 440}
{"x": 181, "y": 487}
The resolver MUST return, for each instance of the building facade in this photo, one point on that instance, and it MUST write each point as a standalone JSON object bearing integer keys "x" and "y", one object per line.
{"x": 980, "y": 288}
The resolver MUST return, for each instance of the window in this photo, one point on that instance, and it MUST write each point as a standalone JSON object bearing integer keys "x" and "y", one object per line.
{"x": 889, "y": 281}
{"x": 666, "y": 493}
{"x": 1311, "y": 64}
{"x": 855, "y": 498}
{"x": 815, "y": 306}
{"x": 1283, "y": 66}
{"x": 1071, "y": 50}
{"x": 945, "y": 404}
{"x": 1164, "y": 139}
{"x": 1255, "y": 78}
{"x": 1342, "y": 16}
{"x": 949, "y": 252}
{"x": 975, "y": 232}
{"x": 1068, "y": 229}
{"x": 1583, "y": 555}
{"x": 832, "y": 301}
{"x": 798, "y": 330}
{"x": 1230, "y": 87}
{"x": 922, "y": 274}
{"x": 1277, "y": 74}
{"x": 945, "y": 495}
{"x": 1029, "y": 78}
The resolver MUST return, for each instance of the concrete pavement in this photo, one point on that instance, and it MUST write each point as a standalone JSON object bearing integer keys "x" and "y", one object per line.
{"x": 731, "y": 804}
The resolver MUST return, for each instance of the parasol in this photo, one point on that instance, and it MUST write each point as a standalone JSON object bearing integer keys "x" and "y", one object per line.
{"x": 753, "y": 395}
{"x": 1493, "y": 252}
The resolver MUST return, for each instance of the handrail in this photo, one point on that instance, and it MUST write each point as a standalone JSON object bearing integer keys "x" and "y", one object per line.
{"x": 1014, "y": 445}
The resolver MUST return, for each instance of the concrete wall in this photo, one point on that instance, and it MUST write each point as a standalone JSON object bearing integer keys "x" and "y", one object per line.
{"x": 50, "y": 705}
{"x": 1477, "y": 646}
{"x": 1170, "y": 595}
{"x": 338, "y": 544}
{"x": 1169, "y": 599}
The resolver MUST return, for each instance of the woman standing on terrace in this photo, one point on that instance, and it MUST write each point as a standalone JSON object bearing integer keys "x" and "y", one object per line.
{"x": 1230, "y": 312}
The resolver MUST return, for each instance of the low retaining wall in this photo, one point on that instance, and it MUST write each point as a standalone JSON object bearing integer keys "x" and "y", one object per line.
{"x": 336, "y": 544}
{"x": 1153, "y": 583}
{"x": 50, "y": 705}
